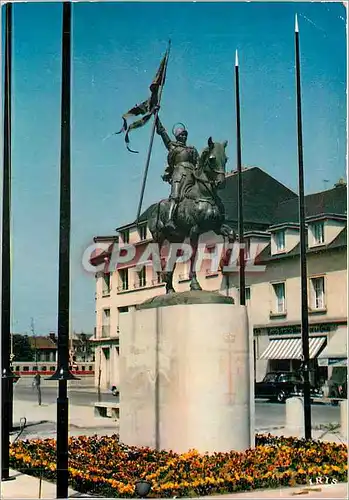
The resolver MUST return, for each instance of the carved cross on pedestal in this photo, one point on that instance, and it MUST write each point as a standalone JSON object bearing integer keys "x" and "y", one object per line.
{"x": 229, "y": 339}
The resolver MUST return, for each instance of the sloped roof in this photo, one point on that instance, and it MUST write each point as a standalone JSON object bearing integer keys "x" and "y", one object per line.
{"x": 261, "y": 195}
{"x": 41, "y": 342}
{"x": 331, "y": 201}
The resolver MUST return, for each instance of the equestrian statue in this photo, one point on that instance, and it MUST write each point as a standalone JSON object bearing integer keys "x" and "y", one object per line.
{"x": 194, "y": 206}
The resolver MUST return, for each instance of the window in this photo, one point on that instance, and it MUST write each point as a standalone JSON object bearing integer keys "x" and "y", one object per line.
{"x": 52, "y": 368}
{"x": 280, "y": 303}
{"x": 90, "y": 368}
{"x": 318, "y": 293}
{"x": 106, "y": 284}
{"x": 123, "y": 309}
{"x": 106, "y": 323}
{"x": 142, "y": 281}
{"x": 247, "y": 249}
{"x": 318, "y": 233}
{"x": 280, "y": 241}
{"x": 106, "y": 316}
{"x": 43, "y": 368}
{"x": 125, "y": 236}
{"x": 26, "y": 368}
{"x": 142, "y": 231}
{"x": 270, "y": 377}
{"x": 17, "y": 369}
{"x": 123, "y": 273}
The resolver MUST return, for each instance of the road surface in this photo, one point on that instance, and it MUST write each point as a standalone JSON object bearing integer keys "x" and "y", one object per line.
{"x": 267, "y": 414}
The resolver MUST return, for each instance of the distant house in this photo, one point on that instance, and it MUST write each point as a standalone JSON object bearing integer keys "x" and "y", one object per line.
{"x": 82, "y": 349}
{"x": 45, "y": 348}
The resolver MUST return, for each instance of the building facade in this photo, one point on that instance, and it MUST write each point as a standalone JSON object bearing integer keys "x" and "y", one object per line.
{"x": 272, "y": 279}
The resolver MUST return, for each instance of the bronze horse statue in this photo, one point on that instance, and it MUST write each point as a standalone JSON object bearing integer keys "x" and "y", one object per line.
{"x": 199, "y": 211}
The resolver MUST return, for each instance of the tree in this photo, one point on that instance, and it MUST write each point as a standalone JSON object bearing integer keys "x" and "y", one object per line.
{"x": 22, "y": 349}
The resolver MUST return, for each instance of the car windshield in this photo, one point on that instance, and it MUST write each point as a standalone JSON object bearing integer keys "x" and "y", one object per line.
{"x": 270, "y": 377}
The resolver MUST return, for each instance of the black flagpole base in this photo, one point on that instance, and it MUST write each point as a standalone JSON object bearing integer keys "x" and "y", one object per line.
{"x": 6, "y": 477}
{"x": 63, "y": 374}
{"x": 6, "y": 423}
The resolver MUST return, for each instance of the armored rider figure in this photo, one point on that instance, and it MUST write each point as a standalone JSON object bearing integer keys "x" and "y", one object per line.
{"x": 182, "y": 162}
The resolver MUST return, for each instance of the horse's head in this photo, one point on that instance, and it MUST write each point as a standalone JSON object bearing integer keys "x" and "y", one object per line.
{"x": 213, "y": 162}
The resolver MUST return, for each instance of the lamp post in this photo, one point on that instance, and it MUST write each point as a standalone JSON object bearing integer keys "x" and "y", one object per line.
{"x": 6, "y": 371}
{"x": 63, "y": 373}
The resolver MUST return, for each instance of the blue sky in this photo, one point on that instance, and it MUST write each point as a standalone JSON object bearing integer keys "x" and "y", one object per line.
{"x": 117, "y": 48}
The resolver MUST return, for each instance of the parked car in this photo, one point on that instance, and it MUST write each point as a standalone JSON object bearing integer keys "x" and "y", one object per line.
{"x": 115, "y": 390}
{"x": 279, "y": 386}
{"x": 337, "y": 390}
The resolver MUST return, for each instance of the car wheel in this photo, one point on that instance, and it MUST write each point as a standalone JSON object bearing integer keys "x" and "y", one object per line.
{"x": 281, "y": 397}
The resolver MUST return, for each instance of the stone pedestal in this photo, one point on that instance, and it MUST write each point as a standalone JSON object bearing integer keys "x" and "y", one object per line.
{"x": 185, "y": 377}
{"x": 295, "y": 417}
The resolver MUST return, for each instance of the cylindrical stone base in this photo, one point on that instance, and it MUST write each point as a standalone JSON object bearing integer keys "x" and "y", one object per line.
{"x": 344, "y": 418}
{"x": 295, "y": 416}
{"x": 185, "y": 378}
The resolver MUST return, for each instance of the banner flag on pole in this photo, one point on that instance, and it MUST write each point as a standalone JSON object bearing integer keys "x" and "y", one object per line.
{"x": 146, "y": 108}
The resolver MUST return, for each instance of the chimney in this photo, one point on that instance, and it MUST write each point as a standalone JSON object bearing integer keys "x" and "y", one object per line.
{"x": 340, "y": 183}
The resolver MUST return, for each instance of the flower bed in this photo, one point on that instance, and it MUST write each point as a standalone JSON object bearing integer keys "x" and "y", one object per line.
{"x": 106, "y": 467}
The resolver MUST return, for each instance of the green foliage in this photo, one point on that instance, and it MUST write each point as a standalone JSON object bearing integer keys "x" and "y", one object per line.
{"x": 22, "y": 349}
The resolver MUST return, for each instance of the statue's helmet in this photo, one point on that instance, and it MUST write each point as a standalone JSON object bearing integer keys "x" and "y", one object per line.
{"x": 179, "y": 129}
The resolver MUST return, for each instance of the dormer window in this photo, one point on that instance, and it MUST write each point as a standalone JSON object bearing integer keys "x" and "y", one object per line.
{"x": 318, "y": 233}
{"x": 125, "y": 236}
{"x": 280, "y": 241}
{"x": 142, "y": 231}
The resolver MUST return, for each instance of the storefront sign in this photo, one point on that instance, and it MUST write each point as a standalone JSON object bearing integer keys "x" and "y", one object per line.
{"x": 296, "y": 329}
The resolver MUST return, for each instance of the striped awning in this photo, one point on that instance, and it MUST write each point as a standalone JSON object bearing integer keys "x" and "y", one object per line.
{"x": 292, "y": 348}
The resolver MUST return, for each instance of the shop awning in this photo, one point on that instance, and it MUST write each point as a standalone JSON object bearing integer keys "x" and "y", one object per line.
{"x": 292, "y": 348}
{"x": 335, "y": 353}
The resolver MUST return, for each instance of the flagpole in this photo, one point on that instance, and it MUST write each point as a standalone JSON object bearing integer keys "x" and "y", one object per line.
{"x": 240, "y": 191}
{"x": 6, "y": 372}
{"x": 152, "y": 136}
{"x": 63, "y": 373}
{"x": 303, "y": 262}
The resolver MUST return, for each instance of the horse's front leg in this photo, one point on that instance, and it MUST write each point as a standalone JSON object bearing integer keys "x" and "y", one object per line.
{"x": 168, "y": 271}
{"x": 194, "y": 242}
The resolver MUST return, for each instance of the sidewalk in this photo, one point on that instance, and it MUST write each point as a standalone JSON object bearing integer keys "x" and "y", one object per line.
{"x": 79, "y": 416}
{"x": 24, "y": 486}
{"x": 82, "y": 417}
